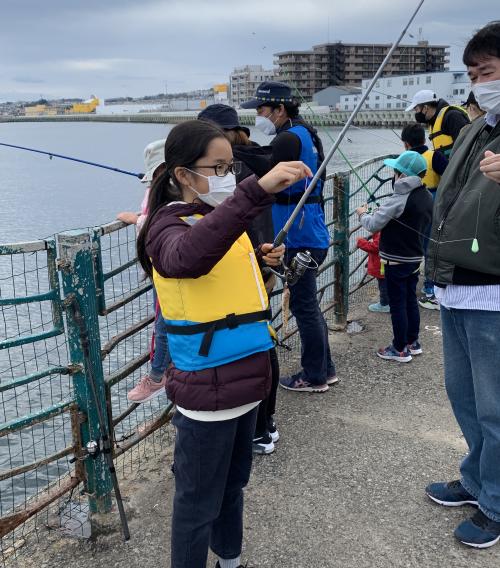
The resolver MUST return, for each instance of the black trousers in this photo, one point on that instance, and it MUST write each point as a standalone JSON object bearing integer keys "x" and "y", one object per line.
{"x": 402, "y": 282}
{"x": 267, "y": 407}
{"x": 212, "y": 466}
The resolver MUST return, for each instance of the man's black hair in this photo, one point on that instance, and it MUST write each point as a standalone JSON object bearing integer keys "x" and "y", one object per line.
{"x": 485, "y": 42}
{"x": 413, "y": 134}
{"x": 292, "y": 108}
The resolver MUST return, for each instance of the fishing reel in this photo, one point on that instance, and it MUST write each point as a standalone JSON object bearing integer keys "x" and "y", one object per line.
{"x": 292, "y": 273}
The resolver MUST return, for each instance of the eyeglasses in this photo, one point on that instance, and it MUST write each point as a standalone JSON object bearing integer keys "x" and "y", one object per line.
{"x": 222, "y": 170}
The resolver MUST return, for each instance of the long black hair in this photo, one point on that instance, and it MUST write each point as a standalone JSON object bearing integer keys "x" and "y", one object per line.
{"x": 185, "y": 145}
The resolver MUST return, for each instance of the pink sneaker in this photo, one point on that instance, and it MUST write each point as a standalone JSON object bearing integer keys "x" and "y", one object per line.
{"x": 146, "y": 389}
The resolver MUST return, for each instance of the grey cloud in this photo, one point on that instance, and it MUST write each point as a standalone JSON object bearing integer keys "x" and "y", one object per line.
{"x": 79, "y": 48}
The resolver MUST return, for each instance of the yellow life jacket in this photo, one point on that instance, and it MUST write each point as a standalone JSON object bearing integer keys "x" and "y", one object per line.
{"x": 431, "y": 178}
{"x": 219, "y": 317}
{"x": 441, "y": 141}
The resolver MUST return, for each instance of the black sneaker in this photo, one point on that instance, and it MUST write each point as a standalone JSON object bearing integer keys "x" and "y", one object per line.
{"x": 428, "y": 302}
{"x": 263, "y": 445}
{"x": 271, "y": 425}
{"x": 240, "y": 566}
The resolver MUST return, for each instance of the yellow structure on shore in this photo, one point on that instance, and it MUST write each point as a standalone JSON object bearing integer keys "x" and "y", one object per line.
{"x": 86, "y": 107}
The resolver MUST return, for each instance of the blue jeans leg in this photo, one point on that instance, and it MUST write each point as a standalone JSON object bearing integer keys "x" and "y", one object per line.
{"x": 382, "y": 288}
{"x": 212, "y": 466}
{"x": 472, "y": 378}
{"x": 402, "y": 289}
{"x": 316, "y": 358}
{"x": 161, "y": 357}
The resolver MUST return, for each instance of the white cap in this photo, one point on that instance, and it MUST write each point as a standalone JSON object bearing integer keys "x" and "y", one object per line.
{"x": 154, "y": 156}
{"x": 422, "y": 97}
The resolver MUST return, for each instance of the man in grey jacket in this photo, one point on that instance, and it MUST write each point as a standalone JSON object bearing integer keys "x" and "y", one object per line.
{"x": 402, "y": 220}
{"x": 464, "y": 264}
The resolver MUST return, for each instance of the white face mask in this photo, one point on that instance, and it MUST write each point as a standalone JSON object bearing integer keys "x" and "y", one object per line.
{"x": 265, "y": 125}
{"x": 219, "y": 188}
{"x": 488, "y": 96}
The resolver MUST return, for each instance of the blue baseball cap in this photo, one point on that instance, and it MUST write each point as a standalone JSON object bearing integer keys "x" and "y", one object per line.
{"x": 270, "y": 92}
{"x": 224, "y": 116}
{"x": 409, "y": 163}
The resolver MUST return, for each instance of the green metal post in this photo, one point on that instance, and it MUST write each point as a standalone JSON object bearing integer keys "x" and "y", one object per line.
{"x": 341, "y": 248}
{"x": 77, "y": 269}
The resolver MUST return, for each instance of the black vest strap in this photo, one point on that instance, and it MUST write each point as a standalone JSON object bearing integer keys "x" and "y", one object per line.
{"x": 231, "y": 321}
{"x": 295, "y": 198}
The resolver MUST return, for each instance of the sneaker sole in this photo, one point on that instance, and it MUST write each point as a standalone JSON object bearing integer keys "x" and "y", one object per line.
{"x": 483, "y": 545}
{"x": 263, "y": 449}
{"x": 452, "y": 503}
{"x": 150, "y": 397}
{"x": 275, "y": 436}
{"x": 306, "y": 389}
{"x": 397, "y": 359}
{"x": 332, "y": 381}
{"x": 428, "y": 306}
{"x": 416, "y": 351}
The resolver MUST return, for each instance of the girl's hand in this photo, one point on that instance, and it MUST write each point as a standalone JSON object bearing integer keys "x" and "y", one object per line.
{"x": 272, "y": 256}
{"x": 284, "y": 175}
{"x": 128, "y": 217}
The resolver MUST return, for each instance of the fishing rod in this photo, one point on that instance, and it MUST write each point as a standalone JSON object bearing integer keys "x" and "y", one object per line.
{"x": 317, "y": 176}
{"x": 53, "y": 155}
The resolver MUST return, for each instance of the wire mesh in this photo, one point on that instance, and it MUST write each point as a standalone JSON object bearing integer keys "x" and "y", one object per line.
{"x": 126, "y": 309}
{"x": 124, "y": 278}
{"x": 25, "y": 274}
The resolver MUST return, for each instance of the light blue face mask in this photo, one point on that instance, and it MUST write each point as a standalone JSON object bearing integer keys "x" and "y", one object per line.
{"x": 219, "y": 188}
{"x": 488, "y": 96}
{"x": 265, "y": 125}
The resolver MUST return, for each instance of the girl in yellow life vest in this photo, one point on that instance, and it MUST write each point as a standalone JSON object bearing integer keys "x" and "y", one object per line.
{"x": 214, "y": 303}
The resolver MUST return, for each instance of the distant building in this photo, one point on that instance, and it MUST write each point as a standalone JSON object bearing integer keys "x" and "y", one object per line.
{"x": 331, "y": 96}
{"x": 243, "y": 82}
{"x": 349, "y": 63}
{"x": 394, "y": 93}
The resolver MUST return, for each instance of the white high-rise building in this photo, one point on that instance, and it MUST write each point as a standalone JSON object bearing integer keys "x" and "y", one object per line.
{"x": 395, "y": 93}
{"x": 245, "y": 80}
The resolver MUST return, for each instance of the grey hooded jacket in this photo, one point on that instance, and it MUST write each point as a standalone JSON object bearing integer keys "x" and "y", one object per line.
{"x": 402, "y": 219}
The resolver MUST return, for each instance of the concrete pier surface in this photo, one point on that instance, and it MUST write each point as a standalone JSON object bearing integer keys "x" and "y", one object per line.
{"x": 345, "y": 487}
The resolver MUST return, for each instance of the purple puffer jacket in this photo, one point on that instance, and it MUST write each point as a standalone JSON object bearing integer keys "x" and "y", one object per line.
{"x": 178, "y": 250}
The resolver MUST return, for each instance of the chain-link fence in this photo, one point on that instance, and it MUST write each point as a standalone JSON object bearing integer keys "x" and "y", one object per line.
{"x": 47, "y": 414}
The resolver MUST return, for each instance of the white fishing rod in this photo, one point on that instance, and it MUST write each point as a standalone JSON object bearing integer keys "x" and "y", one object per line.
{"x": 280, "y": 237}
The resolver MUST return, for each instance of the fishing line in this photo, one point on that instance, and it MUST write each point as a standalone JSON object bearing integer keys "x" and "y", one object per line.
{"x": 373, "y": 198}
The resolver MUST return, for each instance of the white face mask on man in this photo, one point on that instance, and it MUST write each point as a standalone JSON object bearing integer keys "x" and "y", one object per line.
{"x": 219, "y": 188}
{"x": 488, "y": 96}
{"x": 265, "y": 125}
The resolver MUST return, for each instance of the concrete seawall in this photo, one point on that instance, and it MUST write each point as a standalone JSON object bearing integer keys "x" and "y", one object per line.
{"x": 375, "y": 119}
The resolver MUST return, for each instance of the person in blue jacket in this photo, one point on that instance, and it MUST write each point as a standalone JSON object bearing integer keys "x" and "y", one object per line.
{"x": 278, "y": 113}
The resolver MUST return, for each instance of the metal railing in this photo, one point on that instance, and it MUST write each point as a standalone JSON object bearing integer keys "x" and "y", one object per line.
{"x": 46, "y": 413}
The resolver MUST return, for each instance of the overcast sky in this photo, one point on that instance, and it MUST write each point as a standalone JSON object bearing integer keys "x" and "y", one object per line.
{"x": 76, "y": 48}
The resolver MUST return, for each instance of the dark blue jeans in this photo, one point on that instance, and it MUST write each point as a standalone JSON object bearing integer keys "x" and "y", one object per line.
{"x": 472, "y": 377}
{"x": 316, "y": 358}
{"x": 212, "y": 466}
{"x": 382, "y": 288}
{"x": 402, "y": 282}
{"x": 161, "y": 357}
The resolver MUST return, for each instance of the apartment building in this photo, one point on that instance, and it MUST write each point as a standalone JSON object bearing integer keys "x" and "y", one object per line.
{"x": 243, "y": 82}
{"x": 349, "y": 63}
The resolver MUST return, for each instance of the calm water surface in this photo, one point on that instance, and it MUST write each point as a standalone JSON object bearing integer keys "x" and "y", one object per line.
{"x": 41, "y": 197}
